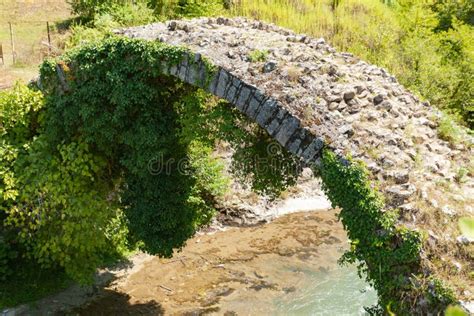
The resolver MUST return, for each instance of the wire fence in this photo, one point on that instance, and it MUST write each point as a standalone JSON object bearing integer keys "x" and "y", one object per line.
{"x": 28, "y": 30}
{"x": 27, "y": 43}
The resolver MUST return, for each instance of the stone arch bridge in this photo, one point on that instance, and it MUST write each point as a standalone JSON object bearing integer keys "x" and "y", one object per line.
{"x": 306, "y": 96}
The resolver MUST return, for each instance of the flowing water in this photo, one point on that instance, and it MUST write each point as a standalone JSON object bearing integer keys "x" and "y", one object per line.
{"x": 286, "y": 267}
{"x": 336, "y": 292}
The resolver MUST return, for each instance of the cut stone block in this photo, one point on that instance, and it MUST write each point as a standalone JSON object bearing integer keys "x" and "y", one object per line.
{"x": 313, "y": 150}
{"x": 267, "y": 110}
{"x": 222, "y": 83}
{"x": 243, "y": 96}
{"x": 287, "y": 129}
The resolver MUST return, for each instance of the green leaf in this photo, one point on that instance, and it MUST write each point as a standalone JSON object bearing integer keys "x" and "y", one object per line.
{"x": 466, "y": 225}
{"x": 455, "y": 311}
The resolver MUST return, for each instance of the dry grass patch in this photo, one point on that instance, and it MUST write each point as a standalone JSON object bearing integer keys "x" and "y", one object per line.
{"x": 28, "y": 19}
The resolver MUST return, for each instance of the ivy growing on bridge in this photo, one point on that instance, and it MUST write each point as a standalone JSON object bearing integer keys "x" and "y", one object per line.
{"x": 122, "y": 155}
{"x": 120, "y": 105}
{"x": 387, "y": 255}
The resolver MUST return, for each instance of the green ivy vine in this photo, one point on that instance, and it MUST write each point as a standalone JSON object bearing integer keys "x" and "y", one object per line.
{"x": 387, "y": 254}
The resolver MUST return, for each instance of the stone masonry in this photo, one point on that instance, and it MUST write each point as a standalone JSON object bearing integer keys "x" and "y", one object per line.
{"x": 269, "y": 113}
{"x": 306, "y": 95}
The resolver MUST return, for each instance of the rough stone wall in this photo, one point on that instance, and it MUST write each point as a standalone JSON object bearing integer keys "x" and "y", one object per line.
{"x": 306, "y": 95}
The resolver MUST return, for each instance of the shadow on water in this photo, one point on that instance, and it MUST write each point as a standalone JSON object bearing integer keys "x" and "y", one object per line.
{"x": 113, "y": 303}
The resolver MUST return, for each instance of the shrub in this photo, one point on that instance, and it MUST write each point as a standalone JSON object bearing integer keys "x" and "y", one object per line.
{"x": 88, "y": 9}
{"x": 114, "y": 15}
{"x": 172, "y": 9}
{"x": 62, "y": 212}
{"x": 130, "y": 14}
{"x": 19, "y": 120}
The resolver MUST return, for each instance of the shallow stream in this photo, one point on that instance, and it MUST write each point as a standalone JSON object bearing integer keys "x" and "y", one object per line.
{"x": 336, "y": 292}
{"x": 286, "y": 267}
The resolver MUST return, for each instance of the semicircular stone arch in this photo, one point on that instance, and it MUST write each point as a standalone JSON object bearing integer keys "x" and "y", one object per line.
{"x": 261, "y": 107}
{"x": 269, "y": 113}
{"x": 307, "y": 96}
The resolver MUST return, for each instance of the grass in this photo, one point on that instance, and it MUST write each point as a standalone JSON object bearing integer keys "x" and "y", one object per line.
{"x": 364, "y": 27}
{"x": 28, "y": 20}
{"x": 258, "y": 55}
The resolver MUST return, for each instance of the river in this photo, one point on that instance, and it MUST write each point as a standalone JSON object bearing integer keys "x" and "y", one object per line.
{"x": 286, "y": 267}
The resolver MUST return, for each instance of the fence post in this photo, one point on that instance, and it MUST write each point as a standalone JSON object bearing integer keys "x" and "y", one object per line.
{"x": 49, "y": 37}
{"x": 1, "y": 54}
{"x": 12, "y": 42}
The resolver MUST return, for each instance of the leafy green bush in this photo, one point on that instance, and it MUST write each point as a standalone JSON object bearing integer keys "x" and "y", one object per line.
{"x": 51, "y": 207}
{"x": 81, "y": 35}
{"x": 111, "y": 15}
{"x": 172, "y": 9}
{"x": 88, "y": 9}
{"x": 130, "y": 14}
{"x": 436, "y": 65}
{"x": 19, "y": 120}
{"x": 62, "y": 212}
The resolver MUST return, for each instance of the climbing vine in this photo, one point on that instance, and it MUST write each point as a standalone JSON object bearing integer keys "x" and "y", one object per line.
{"x": 118, "y": 154}
{"x": 387, "y": 254}
{"x": 127, "y": 112}
{"x": 121, "y": 154}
